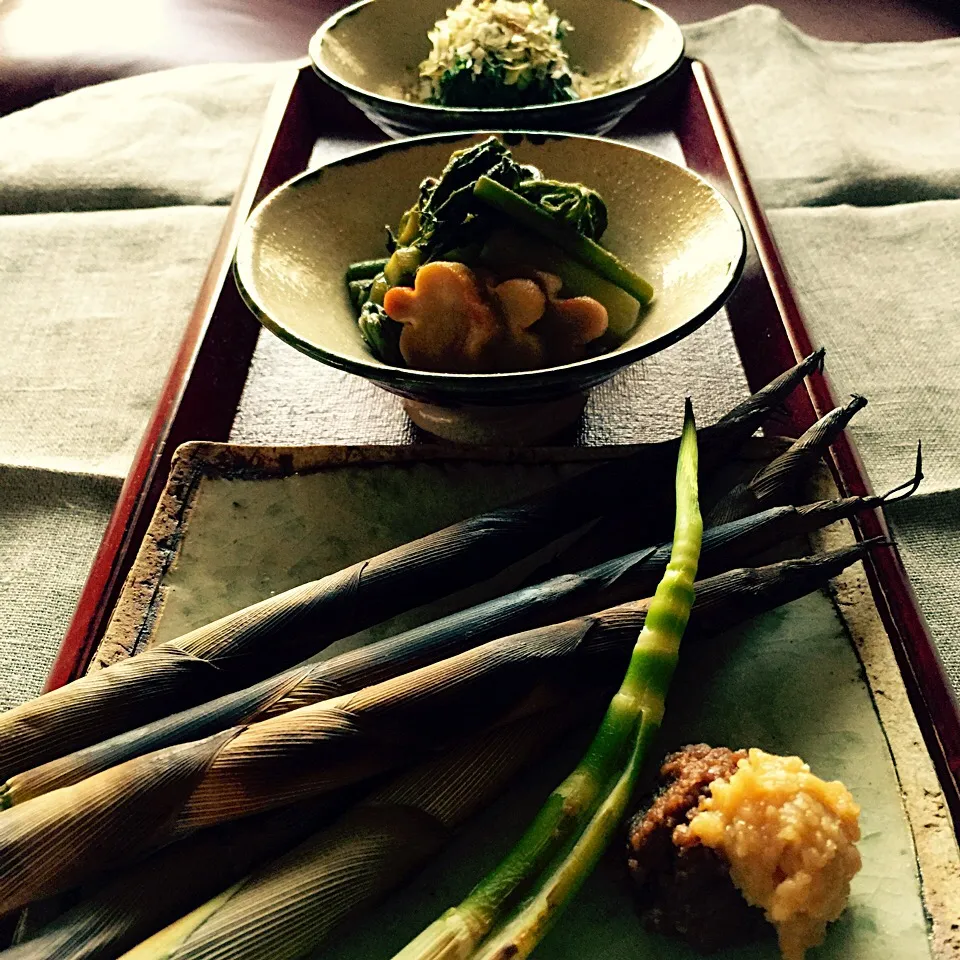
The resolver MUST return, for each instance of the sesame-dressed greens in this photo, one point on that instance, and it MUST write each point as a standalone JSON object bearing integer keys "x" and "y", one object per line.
{"x": 497, "y": 53}
{"x": 503, "y": 53}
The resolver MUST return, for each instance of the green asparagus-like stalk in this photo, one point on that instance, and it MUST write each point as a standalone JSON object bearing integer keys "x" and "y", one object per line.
{"x": 520, "y": 935}
{"x": 660, "y": 639}
{"x": 521, "y": 211}
{"x": 613, "y": 756}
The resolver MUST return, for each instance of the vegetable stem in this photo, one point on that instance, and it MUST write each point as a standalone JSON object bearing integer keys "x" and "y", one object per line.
{"x": 458, "y": 932}
{"x": 520, "y": 936}
{"x": 365, "y": 269}
{"x": 643, "y": 694}
{"x": 526, "y": 214}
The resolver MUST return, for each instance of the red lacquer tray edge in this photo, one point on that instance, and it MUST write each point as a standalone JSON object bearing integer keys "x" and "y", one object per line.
{"x": 197, "y": 402}
{"x": 763, "y": 356}
{"x": 203, "y": 387}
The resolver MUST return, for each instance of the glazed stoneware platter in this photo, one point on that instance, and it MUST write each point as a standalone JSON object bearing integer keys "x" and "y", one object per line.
{"x": 370, "y": 52}
{"x": 665, "y": 221}
{"x": 816, "y": 678}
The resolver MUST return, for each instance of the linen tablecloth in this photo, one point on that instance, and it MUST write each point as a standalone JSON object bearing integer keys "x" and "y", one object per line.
{"x": 111, "y": 199}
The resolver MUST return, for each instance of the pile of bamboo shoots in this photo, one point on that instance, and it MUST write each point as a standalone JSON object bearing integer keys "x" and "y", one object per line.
{"x": 214, "y": 798}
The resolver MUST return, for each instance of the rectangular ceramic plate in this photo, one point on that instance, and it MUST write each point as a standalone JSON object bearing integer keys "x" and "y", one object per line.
{"x": 308, "y": 123}
{"x": 816, "y": 678}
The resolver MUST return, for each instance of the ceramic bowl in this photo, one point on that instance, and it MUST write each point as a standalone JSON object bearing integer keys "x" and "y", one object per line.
{"x": 370, "y": 52}
{"x": 666, "y": 222}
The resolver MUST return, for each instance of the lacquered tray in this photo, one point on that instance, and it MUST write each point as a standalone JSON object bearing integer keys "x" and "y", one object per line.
{"x": 201, "y": 395}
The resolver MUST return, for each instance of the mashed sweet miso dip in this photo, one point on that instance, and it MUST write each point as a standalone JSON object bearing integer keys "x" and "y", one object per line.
{"x": 789, "y": 839}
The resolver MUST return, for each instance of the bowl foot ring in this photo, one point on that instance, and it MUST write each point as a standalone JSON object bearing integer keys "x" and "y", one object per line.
{"x": 516, "y": 425}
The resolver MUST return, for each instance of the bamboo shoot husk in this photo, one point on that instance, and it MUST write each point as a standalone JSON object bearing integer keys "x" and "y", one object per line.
{"x": 59, "y": 839}
{"x": 568, "y": 595}
{"x": 133, "y": 903}
{"x": 252, "y": 643}
{"x": 615, "y": 532}
{"x": 397, "y": 826}
{"x": 244, "y": 646}
{"x": 779, "y": 481}
{"x": 289, "y": 906}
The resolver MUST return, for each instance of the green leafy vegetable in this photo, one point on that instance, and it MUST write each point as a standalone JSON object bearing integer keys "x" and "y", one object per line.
{"x": 579, "y": 206}
{"x": 380, "y": 333}
{"x": 402, "y": 266}
{"x": 378, "y": 289}
{"x": 461, "y": 86}
{"x": 456, "y": 214}
{"x": 448, "y": 215}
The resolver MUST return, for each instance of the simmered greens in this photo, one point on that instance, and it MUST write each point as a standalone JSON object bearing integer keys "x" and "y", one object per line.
{"x": 484, "y": 204}
{"x": 573, "y": 203}
{"x": 448, "y": 218}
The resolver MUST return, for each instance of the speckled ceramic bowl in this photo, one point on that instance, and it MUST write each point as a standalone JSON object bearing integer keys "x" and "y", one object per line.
{"x": 370, "y": 52}
{"x": 666, "y": 222}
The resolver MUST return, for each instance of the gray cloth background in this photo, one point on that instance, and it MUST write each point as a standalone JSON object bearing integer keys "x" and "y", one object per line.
{"x": 111, "y": 199}
{"x": 854, "y": 150}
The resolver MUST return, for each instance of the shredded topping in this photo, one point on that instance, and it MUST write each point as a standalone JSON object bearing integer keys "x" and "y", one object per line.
{"x": 522, "y": 40}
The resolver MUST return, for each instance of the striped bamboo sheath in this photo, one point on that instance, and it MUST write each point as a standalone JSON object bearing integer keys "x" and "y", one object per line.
{"x": 272, "y": 634}
{"x": 568, "y": 595}
{"x": 134, "y": 902}
{"x": 56, "y": 840}
{"x": 719, "y": 442}
{"x": 333, "y": 870}
{"x": 245, "y": 646}
{"x": 291, "y": 905}
{"x": 779, "y": 481}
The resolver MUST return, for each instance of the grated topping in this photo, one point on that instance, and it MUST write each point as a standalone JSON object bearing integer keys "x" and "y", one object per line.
{"x": 789, "y": 838}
